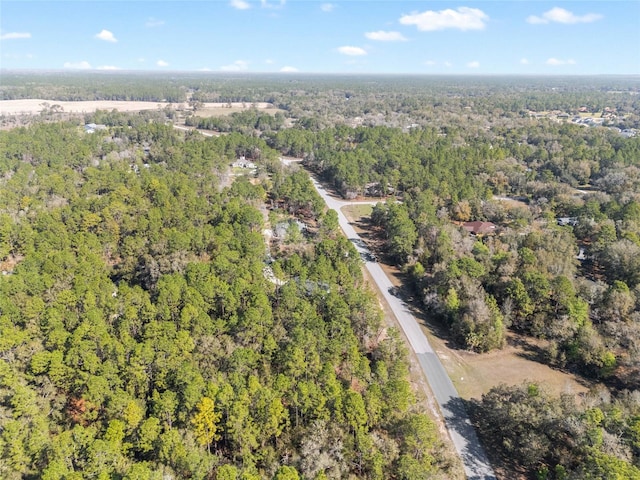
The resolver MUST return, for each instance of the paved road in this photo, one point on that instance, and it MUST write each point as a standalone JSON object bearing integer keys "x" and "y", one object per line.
{"x": 463, "y": 435}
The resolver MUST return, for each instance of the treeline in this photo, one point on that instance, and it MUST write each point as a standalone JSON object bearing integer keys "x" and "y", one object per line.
{"x": 140, "y": 337}
{"x": 374, "y": 100}
{"x": 530, "y": 158}
{"x": 388, "y": 161}
{"x": 97, "y": 86}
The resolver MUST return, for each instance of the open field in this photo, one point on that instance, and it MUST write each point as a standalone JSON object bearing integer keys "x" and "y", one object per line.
{"x": 35, "y": 106}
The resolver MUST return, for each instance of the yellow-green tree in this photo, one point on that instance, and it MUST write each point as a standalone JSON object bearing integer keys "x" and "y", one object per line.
{"x": 205, "y": 422}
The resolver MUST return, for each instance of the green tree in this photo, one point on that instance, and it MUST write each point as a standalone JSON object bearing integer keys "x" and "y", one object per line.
{"x": 286, "y": 473}
{"x": 401, "y": 232}
{"x": 330, "y": 225}
{"x": 227, "y": 472}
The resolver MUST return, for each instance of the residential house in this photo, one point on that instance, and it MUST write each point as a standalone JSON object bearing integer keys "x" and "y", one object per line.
{"x": 479, "y": 228}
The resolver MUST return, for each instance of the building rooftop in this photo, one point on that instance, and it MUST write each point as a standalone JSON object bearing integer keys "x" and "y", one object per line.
{"x": 479, "y": 228}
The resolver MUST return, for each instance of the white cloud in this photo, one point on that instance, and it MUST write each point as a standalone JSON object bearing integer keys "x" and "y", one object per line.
{"x": 448, "y": 64}
{"x": 327, "y": 7}
{"x": 107, "y": 67}
{"x": 524, "y": 61}
{"x": 162, "y": 63}
{"x": 560, "y": 15}
{"x": 463, "y": 18}
{"x": 107, "y": 36}
{"x": 14, "y": 35}
{"x": 279, "y": 4}
{"x": 268, "y": 61}
{"x": 239, "y": 4}
{"x": 474, "y": 64}
{"x": 153, "y": 22}
{"x": 288, "y": 69}
{"x": 430, "y": 63}
{"x": 141, "y": 60}
{"x": 555, "y": 62}
{"x": 352, "y": 51}
{"x": 383, "y": 36}
{"x": 84, "y": 65}
{"x": 204, "y": 69}
{"x": 237, "y": 66}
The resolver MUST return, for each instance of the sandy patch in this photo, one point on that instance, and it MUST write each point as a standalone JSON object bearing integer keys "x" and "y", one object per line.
{"x": 35, "y": 106}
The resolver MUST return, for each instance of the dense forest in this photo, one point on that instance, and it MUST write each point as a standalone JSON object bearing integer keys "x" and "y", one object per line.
{"x": 562, "y": 269}
{"x": 141, "y": 338}
{"x": 529, "y": 277}
{"x": 137, "y": 318}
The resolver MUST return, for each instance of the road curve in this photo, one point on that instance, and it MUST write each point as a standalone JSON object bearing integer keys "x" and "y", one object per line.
{"x": 464, "y": 438}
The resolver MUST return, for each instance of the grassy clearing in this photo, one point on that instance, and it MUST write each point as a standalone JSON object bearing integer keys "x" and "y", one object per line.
{"x": 355, "y": 212}
{"x": 223, "y": 110}
{"x": 590, "y": 115}
{"x": 474, "y": 374}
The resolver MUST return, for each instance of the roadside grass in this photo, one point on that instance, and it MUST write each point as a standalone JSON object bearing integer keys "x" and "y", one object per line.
{"x": 356, "y": 212}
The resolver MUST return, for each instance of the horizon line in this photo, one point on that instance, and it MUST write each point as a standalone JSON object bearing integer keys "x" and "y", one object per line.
{"x": 293, "y": 74}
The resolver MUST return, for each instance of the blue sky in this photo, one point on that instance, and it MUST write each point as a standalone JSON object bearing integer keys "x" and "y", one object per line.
{"x": 356, "y": 36}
